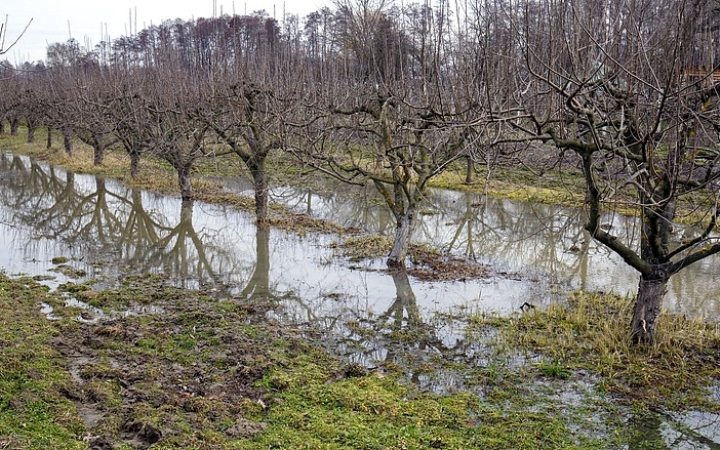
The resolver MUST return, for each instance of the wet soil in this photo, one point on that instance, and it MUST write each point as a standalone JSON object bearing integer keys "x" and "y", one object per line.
{"x": 185, "y": 377}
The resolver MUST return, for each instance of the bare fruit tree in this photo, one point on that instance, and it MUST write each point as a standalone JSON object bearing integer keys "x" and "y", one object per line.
{"x": 629, "y": 89}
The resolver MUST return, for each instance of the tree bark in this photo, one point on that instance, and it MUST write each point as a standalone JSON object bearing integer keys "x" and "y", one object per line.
{"x": 98, "y": 154}
{"x": 134, "y": 163}
{"x": 650, "y": 296}
{"x": 469, "y": 171}
{"x": 31, "y": 133}
{"x": 67, "y": 141}
{"x": 257, "y": 170}
{"x": 396, "y": 258}
{"x": 14, "y": 125}
{"x": 184, "y": 180}
{"x": 48, "y": 143}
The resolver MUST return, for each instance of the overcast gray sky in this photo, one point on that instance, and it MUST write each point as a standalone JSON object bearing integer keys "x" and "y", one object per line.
{"x": 57, "y": 20}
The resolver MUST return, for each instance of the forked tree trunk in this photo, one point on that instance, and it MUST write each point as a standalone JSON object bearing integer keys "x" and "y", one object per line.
{"x": 396, "y": 258}
{"x": 647, "y": 309}
{"x": 257, "y": 170}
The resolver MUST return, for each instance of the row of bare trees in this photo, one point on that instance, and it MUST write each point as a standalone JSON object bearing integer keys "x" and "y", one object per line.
{"x": 369, "y": 91}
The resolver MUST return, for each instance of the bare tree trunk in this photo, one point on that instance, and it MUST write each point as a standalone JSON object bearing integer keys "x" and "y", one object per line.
{"x": 184, "y": 180}
{"x": 14, "y": 125}
{"x": 647, "y": 309}
{"x": 67, "y": 141}
{"x": 31, "y": 127}
{"x": 469, "y": 171}
{"x": 396, "y": 258}
{"x": 48, "y": 143}
{"x": 98, "y": 154}
{"x": 257, "y": 169}
{"x": 2, "y": 126}
{"x": 134, "y": 163}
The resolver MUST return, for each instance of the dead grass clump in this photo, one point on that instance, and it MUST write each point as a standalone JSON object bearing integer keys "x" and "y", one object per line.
{"x": 592, "y": 332}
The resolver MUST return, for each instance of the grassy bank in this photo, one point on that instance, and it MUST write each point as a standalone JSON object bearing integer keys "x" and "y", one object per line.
{"x": 212, "y": 373}
{"x": 35, "y": 413}
{"x": 516, "y": 183}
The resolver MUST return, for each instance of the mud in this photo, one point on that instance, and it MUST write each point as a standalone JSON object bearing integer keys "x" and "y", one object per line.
{"x": 172, "y": 377}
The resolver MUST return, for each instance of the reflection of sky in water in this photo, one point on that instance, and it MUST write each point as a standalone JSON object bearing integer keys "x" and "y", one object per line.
{"x": 539, "y": 241}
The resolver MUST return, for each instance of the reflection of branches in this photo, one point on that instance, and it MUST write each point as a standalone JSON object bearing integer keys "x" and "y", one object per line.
{"x": 400, "y": 336}
{"x": 649, "y": 431}
{"x": 57, "y": 206}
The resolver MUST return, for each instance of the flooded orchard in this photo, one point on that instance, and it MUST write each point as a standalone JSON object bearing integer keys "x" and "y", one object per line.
{"x": 60, "y": 226}
{"x": 534, "y": 250}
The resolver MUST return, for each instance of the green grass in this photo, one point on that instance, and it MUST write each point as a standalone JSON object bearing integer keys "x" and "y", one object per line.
{"x": 290, "y": 394}
{"x": 34, "y": 413}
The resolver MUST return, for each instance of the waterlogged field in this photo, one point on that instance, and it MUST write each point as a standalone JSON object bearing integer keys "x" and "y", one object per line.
{"x": 174, "y": 325}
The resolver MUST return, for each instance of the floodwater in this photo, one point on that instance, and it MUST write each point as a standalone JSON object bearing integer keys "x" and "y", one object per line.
{"x": 536, "y": 252}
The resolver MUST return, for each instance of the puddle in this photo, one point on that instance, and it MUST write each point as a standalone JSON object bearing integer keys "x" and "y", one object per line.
{"x": 689, "y": 431}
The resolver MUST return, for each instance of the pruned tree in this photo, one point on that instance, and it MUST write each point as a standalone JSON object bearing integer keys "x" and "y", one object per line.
{"x": 249, "y": 115}
{"x": 397, "y": 145}
{"x": 629, "y": 89}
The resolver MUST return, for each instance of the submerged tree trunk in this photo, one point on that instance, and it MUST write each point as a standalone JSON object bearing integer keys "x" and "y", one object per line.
{"x": 257, "y": 170}
{"x": 651, "y": 292}
{"x": 396, "y": 258}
